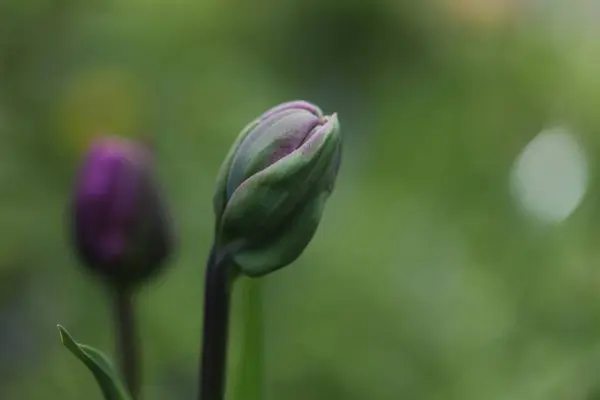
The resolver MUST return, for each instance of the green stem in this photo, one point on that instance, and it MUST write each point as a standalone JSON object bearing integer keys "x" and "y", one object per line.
{"x": 127, "y": 339}
{"x": 249, "y": 374}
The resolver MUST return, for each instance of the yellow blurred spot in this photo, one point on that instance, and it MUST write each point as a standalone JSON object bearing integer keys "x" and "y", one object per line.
{"x": 101, "y": 101}
{"x": 483, "y": 12}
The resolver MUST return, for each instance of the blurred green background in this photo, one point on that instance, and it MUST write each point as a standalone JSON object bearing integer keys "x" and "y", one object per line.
{"x": 458, "y": 258}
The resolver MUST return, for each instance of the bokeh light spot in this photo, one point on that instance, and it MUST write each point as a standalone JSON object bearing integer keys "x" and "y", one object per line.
{"x": 99, "y": 101}
{"x": 550, "y": 176}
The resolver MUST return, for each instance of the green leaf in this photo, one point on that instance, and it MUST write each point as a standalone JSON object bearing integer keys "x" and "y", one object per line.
{"x": 99, "y": 365}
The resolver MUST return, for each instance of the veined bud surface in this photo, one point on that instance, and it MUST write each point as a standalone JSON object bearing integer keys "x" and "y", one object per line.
{"x": 121, "y": 229}
{"x": 274, "y": 183}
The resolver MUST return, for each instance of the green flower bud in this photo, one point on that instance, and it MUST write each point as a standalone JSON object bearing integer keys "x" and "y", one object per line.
{"x": 273, "y": 185}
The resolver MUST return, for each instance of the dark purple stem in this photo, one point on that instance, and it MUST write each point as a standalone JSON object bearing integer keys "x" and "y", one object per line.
{"x": 127, "y": 340}
{"x": 220, "y": 274}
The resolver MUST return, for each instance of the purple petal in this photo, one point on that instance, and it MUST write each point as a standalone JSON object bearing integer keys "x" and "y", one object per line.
{"x": 106, "y": 199}
{"x": 293, "y": 105}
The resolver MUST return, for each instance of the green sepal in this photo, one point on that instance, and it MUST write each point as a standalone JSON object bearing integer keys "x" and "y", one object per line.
{"x": 264, "y": 202}
{"x": 220, "y": 196}
{"x": 102, "y": 369}
{"x": 285, "y": 247}
{"x": 282, "y": 132}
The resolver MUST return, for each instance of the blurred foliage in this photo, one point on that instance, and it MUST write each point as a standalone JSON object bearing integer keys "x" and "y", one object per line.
{"x": 425, "y": 280}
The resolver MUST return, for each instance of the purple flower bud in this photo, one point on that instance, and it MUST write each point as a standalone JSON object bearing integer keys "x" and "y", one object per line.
{"x": 121, "y": 229}
{"x": 272, "y": 188}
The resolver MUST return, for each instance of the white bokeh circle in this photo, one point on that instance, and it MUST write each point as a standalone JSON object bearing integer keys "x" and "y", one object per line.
{"x": 550, "y": 176}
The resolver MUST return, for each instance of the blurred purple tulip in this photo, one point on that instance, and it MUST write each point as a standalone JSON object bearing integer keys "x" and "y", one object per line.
{"x": 121, "y": 228}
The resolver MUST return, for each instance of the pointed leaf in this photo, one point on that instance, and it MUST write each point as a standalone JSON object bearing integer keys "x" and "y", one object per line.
{"x": 99, "y": 365}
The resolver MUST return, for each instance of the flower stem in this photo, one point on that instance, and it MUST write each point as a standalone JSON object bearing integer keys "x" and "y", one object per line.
{"x": 217, "y": 299}
{"x": 249, "y": 377}
{"x": 127, "y": 340}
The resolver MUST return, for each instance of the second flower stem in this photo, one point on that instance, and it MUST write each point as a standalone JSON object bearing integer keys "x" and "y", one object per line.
{"x": 217, "y": 298}
{"x": 127, "y": 339}
{"x": 249, "y": 375}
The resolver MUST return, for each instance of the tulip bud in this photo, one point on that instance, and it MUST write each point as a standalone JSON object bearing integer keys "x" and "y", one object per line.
{"x": 273, "y": 185}
{"x": 121, "y": 230}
